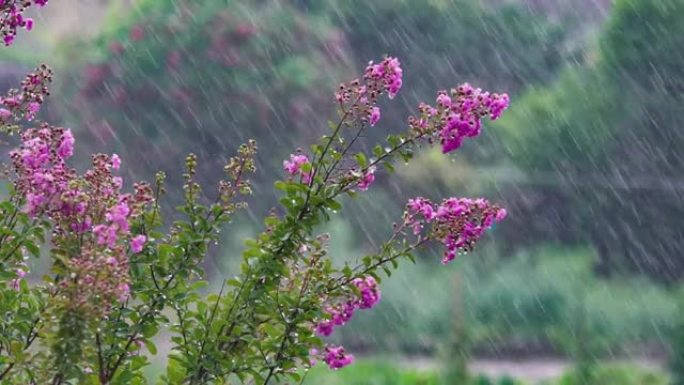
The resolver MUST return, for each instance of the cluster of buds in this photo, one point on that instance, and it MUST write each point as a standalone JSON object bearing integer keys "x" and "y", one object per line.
{"x": 235, "y": 170}
{"x": 91, "y": 215}
{"x": 458, "y": 115}
{"x": 358, "y": 98}
{"x": 12, "y": 17}
{"x": 25, "y": 103}
{"x": 456, "y": 222}
{"x": 366, "y": 296}
{"x": 20, "y": 272}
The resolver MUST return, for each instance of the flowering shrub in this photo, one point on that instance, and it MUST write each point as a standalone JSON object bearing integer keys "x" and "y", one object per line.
{"x": 120, "y": 273}
{"x": 12, "y": 17}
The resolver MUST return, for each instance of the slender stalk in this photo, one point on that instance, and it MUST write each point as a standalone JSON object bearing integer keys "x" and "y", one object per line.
{"x": 200, "y": 373}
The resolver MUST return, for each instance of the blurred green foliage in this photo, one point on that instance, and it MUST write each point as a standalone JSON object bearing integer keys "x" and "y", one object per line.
{"x": 601, "y": 146}
{"x": 677, "y": 344}
{"x": 540, "y": 298}
{"x": 618, "y": 375}
{"x": 177, "y": 76}
{"x": 374, "y": 372}
{"x": 172, "y": 77}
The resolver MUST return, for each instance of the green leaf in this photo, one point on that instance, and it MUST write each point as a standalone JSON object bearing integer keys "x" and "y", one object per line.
{"x": 280, "y": 185}
{"x": 361, "y": 159}
{"x": 150, "y": 346}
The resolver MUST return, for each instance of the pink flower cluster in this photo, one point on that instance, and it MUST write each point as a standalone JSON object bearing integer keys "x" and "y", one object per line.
{"x": 25, "y": 103}
{"x": 366, "y": 179}
{"x": 336, "y": 357}
{"x": 456, "y": 222}
{"x": 42, "y": 172}
{"x": 89, "y": 211}
{"x": 338, "y": 315}
{"x": 359, "y": 97}
{"x": 293, "y": 166}
{"x": 12, "y": 18}
{"x": 388, "y": 73}
{"x": 458, "y": 115}
{"x": 368, "y": 296}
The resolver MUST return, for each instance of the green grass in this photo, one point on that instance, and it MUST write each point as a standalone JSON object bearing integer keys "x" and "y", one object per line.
{"x": 371, "y": 372}
{"x": 385, "y": 372}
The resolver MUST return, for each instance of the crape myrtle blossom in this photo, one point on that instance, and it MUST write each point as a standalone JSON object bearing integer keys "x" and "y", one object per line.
{"x": 457, "y": 115}
{"x": 456, "y": 222}
{"x": 25, "y": 103}
{"x": 12, "y": 17}
{"x": 358, "y": 98}
{"x": 367, "y": 179}
{"x": 336, "y": 357}
{"x": 90, "y": 207}
{"x": 293, "y": 166}
{"x": 366, "y": 295}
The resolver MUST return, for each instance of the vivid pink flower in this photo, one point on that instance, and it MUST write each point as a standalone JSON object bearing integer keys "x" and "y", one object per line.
{"x": 388, "y": 73}
{"x": 456, "y": 222}
{"x": 457, "y": 116}
{"x": 374, "y": 116}
{"x": 293, "y": 166}
{"x": 367, "y": 179}
{"x": 336, "y": 357}
{"x": 137, "y": 243}
{"x": 66, "y": 146}
{"x": 123, "y": 290}
{"x": 369, "y": 291}
{"x": 116, "y": 162}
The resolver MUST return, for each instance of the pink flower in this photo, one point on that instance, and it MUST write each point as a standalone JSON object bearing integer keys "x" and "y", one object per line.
{"x": 374, "y": 116}
{"x": 369, "y": 290}
{"x": 458, "y": 223}
{"x": 137, "y": 33}
{"x": 367, "y": 179}
{"x": 124, "y": 291}
{"x": 457, "y": 116}
{"x": 325, "y": 328}
{"x": 118, "y": 215}
{"x": 117, "y": 181}
{"x": 116, "y": 162}
{"x": 336, "y": 357}
{"x": 293, "y": 166}
{"x": 137, "y": 243}
{"x": 66, "y": 146}
{"x": 501, "y": 215}
{"x": 388, "y": 73}
{"x": 313, "y": 355}
{"x": 443, "y": 100}
{"x": 33, "y": 203}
